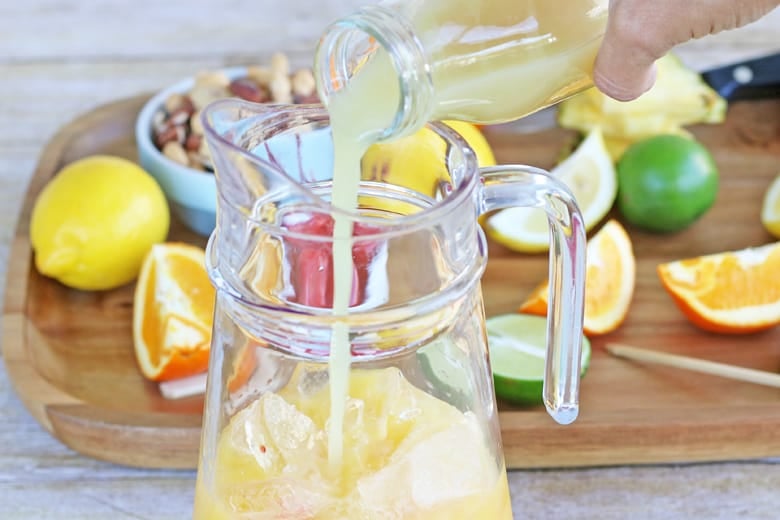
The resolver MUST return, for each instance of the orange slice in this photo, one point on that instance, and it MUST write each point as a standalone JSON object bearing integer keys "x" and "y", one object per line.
{"x": 244, "y": 365}
{"x": 609, "y": 281}
{"x": 173, "y": 312}
{"x": 732, "y": 292}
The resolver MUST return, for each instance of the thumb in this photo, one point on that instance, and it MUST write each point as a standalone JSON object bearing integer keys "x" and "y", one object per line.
{"x": 641, "y": 31}
{"x": 625, "y": 64}
{"x": 621, "y": 72}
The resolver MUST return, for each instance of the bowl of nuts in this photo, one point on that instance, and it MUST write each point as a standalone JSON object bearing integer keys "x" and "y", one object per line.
{"x": 169, "y": 131}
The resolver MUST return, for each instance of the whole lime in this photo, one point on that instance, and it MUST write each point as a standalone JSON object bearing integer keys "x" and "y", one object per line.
{"x": 666, "y": 182}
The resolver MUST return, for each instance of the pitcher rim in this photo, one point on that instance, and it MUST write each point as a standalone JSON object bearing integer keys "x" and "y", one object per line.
{"x": 388, "y": 227}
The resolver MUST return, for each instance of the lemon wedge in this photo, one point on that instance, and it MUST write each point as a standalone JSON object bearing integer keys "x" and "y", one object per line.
{"x": 770, "y": 210}
{"x": 588, "y": 172}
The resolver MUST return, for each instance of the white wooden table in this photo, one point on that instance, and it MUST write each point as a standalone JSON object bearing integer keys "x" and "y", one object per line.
{"x": 59, "y": 58}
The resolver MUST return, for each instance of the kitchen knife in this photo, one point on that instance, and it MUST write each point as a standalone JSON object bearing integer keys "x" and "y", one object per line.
{"x": 752, "y": 79}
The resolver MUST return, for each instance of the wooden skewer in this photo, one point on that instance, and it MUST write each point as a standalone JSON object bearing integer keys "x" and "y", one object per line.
{"x": 750, "y": 375}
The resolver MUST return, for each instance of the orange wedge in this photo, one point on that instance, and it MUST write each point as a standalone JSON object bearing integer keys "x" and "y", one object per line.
{"x": 173, "y": 312}
{"x": 733, "y": 292}
{"x": 244, "y": 365}
{"x": 609, "y": 281}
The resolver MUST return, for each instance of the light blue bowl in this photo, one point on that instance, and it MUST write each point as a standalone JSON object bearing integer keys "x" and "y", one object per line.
{"x": 192, "y": 194}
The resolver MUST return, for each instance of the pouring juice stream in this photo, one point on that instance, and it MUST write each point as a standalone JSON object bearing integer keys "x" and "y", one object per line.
{"x": 352, "y": 136}
{"x": 483, "y": 70}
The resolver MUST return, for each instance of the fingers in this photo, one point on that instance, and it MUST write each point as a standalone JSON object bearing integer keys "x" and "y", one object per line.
{"x": 641, "y": 31}
{"x": 625, "y": 65}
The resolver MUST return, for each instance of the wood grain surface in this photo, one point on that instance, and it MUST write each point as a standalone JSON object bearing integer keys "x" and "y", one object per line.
{"x": 62, "y": 58}
{"x": 70, "y": 353}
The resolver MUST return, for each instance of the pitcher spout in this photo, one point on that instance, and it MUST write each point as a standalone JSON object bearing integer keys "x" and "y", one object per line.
{"x": 251, "y": 168}
{"x": 274, "y": 239}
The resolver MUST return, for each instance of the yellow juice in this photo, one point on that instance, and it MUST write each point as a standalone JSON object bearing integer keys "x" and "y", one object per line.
{"x": 491, "y": 61}
{"x": 499, "y": 60}
{"x": 407, "y": 455}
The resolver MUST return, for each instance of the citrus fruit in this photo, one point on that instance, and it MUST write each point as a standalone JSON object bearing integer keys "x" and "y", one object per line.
{"x": 243, "y": 367}
{"x": 476, "y": 140}
{"x": 730, "y": 292}
{"x": 94, "y": 222}
{"x": 173, "y": 312}
{"x": 417, "y": 161}
{"x": 666, "y": 183}
{"x": 518, "y": 345}
{"x": 446, "y": 366}
{"x": 609, "y": 281}
{"x": 588, "y": 173}
{"x": 770, "y": 209}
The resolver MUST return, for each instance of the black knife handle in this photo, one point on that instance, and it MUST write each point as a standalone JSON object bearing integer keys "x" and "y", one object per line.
{"x": 752, "y": 79}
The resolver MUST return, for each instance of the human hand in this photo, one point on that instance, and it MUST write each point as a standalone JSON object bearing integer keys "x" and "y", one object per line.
{"x": 641, "y": 31}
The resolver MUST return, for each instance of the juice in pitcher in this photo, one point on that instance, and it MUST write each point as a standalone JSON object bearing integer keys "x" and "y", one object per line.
{"x": 407, "y": 455}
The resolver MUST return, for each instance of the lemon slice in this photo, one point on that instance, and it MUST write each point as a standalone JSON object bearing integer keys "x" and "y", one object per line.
{"x": 770, "y": 211}
{"x": 518, "y": 344}
{"x": 589, "y": 173}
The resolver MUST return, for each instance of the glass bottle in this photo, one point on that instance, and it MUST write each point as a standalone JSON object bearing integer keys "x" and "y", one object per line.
{"x": 487, "y": 61}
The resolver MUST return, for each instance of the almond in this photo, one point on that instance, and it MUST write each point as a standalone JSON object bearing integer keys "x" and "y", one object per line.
{"x": 192, "y": 143}
{"x": 169, "y": 133}
{"x": 248, "y": 90}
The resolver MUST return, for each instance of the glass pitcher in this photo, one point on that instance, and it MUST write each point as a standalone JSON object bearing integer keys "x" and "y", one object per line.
{"x": 420, "y": 431}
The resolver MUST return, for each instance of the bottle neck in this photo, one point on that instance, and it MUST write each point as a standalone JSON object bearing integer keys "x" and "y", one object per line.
{"x": 350, "y": 42}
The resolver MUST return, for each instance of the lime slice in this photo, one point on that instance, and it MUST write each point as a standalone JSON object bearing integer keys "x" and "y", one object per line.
{"x": 770, "y": 209}
{"x": 448, "y": 371}
{"x": 517, "y": 345}
{"x": 588, "y": 173}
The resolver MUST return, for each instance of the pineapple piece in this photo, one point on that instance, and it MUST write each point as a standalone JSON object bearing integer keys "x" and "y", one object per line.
{"x": 679, "y": 98}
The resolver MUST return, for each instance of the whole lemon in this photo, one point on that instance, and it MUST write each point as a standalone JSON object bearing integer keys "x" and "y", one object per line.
{"x": 476, "y": 140}
{"x": 418, "y": 161}
{"x": 94, "y": 222}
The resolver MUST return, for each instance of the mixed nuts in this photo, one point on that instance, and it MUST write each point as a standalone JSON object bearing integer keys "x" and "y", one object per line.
{"x": 177, "y": 130}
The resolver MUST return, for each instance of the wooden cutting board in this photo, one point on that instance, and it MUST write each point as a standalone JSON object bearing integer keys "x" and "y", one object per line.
{"x": 70, "y": 357}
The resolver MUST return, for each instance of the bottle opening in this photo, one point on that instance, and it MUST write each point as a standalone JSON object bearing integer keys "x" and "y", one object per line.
{"x": 376, "y": 54}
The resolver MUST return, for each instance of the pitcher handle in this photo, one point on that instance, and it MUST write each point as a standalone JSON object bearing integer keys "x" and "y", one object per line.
{"x": 512, "y": 186}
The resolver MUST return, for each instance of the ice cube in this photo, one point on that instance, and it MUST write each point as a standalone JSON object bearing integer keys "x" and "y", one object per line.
{"x": 448, "y": 465}
{"x": 275, "y": 433}
{"x": 287, "y": 426}
{"x": 248, "y": 436}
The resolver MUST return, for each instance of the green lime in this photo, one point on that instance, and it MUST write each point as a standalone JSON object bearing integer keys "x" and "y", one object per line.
{"x": 666, "y": 182}
{"x": 447, "y": 370}
{"x": 517, "y": 355}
